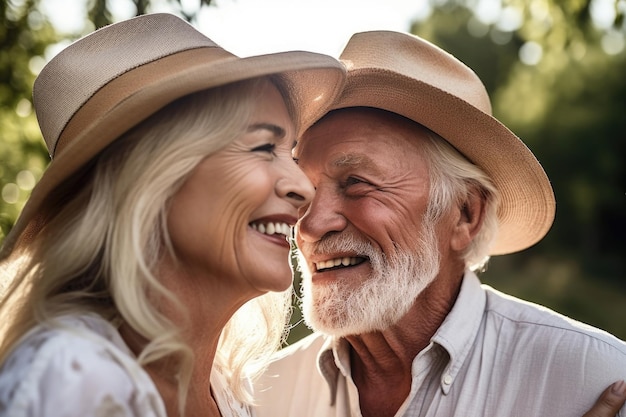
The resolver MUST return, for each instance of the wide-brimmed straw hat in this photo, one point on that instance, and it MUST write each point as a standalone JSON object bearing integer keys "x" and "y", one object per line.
{"x": 107, "y": 82}
{"x": 407, "y": 75}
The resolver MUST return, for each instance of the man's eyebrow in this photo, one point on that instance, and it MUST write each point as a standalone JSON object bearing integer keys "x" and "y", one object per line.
{"x": 352, "y": 161}
{"x": 277, "y": 131}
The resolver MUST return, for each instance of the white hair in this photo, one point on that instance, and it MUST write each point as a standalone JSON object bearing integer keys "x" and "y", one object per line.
{"x": 452, "y": 178}
{"x": 341, "y": 308}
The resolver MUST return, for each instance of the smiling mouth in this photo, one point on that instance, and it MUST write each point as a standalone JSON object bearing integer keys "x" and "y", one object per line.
{"x": 272, "y": 228}
{"x": 337, "y": 263}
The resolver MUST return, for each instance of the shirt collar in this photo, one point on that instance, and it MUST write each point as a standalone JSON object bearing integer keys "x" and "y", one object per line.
{"x": 459, "y": 329}
{"x": 330, "y": 363}
{"x": 456, "y": 335}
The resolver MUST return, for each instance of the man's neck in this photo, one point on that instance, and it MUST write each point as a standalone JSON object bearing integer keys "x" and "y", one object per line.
{"x": 381, "y": 361}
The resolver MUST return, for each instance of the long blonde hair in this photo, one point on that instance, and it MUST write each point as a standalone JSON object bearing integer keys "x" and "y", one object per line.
{"x": 106, "y": 229}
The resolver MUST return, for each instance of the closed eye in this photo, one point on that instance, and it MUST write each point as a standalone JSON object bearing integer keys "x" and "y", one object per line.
{"x": 353, "y": 180}
{"x": 357, "y": 187}
{"x": 268, "y": 147}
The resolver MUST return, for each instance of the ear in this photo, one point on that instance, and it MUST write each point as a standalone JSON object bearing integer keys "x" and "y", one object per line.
{"x": 470, "y": 220}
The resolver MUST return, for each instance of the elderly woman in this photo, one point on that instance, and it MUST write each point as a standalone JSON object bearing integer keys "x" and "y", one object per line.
{"x": 148, "y": 273}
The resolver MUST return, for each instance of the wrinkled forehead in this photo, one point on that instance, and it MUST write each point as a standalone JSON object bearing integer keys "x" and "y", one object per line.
{"x": 362, "y": 126}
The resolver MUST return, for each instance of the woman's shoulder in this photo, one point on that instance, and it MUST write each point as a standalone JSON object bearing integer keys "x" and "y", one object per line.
{"x": 78, "y": 366}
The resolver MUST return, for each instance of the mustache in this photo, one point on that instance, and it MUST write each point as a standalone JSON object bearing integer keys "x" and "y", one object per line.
{"x": 339, "y": 243}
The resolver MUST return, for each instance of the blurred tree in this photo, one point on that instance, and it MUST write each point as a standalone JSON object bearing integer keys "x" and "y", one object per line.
{"x": 24, "y": 36}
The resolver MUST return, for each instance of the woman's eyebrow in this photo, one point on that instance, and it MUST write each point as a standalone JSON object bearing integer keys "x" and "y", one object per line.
{"x": 277, "y": 131}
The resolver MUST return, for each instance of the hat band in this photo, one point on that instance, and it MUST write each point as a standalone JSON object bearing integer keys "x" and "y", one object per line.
{"x": 116, "y": 92}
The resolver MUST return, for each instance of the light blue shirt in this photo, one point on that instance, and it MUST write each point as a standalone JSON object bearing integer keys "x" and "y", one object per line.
{"x": 494, "y": 355}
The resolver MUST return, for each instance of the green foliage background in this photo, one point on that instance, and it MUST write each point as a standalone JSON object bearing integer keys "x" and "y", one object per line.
{"x": 569, "y": 107}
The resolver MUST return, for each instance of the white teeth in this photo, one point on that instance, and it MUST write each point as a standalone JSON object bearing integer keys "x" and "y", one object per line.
{"x": 272, "y": 228}
{"x": 345, "y": 261}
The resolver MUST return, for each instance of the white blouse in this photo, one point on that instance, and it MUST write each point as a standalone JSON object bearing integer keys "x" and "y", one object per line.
{"x": 83, "y": 368}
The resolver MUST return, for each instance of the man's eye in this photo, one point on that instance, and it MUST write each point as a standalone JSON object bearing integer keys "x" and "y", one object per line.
{"x": 353, "y": 180}
{"x": 268, "y": 147}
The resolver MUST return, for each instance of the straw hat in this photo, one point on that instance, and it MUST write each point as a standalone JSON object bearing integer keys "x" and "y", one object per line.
{"x": 107, "y": 82}
{"x": 409, "y": 76}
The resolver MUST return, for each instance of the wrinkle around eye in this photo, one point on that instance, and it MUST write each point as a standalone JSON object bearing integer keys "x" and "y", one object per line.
{"x": 356, "y": 182}
{"x": 352, "y": 180}
{"x": 266, "y": 147}
{"x": 359, "y": 189}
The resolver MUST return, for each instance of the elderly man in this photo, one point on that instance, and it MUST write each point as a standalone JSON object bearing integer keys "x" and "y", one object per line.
{"x": 416, "y": 186}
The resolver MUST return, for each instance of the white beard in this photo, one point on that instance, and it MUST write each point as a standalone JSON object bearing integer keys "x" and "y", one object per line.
{"x": 340, "y": 308}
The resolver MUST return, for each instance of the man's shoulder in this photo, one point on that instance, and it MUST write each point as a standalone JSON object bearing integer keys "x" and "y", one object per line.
{"x": 521, "y": 316}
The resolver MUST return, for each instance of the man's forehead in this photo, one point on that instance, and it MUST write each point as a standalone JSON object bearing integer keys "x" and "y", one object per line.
{"x": 336, "y": 149}
{"x": 336, "y": 124}
{"x": 340, "y": 156}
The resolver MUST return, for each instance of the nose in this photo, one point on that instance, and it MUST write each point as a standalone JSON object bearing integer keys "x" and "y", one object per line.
{"x": 322, "y": 216}
{"x": 295, "y": 186}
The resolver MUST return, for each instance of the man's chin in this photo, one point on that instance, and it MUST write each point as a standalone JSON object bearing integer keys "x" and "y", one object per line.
{"x": 340, "y": 327}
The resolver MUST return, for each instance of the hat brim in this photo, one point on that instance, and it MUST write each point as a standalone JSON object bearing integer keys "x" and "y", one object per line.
{"x": 314, "y": 80}
{"x": 527, "y": 205}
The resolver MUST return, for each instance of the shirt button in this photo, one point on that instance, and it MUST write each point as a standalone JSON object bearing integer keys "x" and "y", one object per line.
{"x": 447, "y": 379}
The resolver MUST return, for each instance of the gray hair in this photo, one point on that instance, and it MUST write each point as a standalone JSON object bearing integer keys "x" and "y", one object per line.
{"x": 452, "y": 178}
